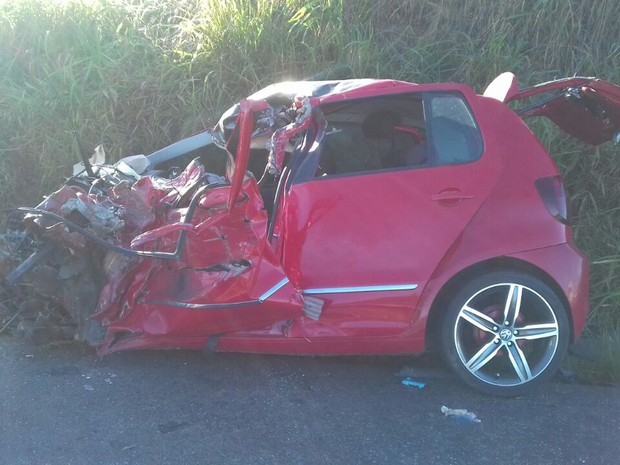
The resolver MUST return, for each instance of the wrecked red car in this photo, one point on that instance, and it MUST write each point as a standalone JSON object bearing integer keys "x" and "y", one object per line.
{"x": 336, "y": 217}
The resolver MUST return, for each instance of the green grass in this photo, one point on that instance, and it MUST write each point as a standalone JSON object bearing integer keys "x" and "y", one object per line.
{"x": 137, "y": 75}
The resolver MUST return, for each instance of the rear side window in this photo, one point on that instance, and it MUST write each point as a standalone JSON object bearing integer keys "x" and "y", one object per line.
{"x": 395, "y": 132}
{"x": 455, "y": 137}
{"x": 373, "y": 134}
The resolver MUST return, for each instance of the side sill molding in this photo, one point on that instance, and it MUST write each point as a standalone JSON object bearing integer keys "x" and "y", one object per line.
{"x": 273, "y": 290}
{"x": 348, "y": 290}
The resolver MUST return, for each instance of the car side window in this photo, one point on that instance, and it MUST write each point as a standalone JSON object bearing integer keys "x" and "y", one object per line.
{"x": 373, "y": 135}
{"x": 455, "y": 137}
{"x": 397, "y": 132}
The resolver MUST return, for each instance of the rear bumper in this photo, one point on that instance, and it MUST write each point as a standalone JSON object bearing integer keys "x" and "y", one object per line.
{"x": 569, "y": 268}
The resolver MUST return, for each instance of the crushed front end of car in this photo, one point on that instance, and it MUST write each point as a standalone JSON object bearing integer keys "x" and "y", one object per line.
{"x": 131, "y": 255}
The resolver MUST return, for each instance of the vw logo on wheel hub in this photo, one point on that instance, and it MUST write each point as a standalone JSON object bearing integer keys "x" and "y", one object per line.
{"x": 505, "y": 334}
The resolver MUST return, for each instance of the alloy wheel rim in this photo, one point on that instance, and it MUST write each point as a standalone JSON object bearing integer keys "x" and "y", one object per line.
{"x": 506, "y": 334}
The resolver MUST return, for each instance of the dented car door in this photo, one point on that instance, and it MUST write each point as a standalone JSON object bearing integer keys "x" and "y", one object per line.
{"x": 366, "y": 242}
{"x": 228, "y": 278}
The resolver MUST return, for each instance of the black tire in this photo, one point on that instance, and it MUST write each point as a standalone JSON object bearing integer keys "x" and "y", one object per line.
{"x": 505, "y": 332}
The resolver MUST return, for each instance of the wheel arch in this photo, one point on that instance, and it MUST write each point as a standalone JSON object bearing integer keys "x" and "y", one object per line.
{"x": 435, "y": 315}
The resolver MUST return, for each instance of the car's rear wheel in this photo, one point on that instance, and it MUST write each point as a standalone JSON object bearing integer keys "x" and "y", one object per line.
{"x": 505, "y": 332}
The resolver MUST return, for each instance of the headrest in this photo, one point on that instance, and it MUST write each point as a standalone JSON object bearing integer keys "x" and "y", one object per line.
{"x": 380, "y": 125}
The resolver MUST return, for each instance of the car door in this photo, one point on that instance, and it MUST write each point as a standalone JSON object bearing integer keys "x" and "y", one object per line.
{"x": 366, "y": 242}
{"x": 224, "y": 276}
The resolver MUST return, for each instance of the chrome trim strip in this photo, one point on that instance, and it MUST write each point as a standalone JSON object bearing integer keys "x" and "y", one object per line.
{"x": 173, "y": 303}
{"x": 347, "y": 290}
{"x": 273, "y": 290}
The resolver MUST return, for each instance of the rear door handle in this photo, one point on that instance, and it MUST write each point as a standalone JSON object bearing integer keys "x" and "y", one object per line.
{"x": 449, "y": 197}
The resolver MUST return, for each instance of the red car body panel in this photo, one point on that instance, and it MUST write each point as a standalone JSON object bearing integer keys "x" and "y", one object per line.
{"x": 502, "y": 230}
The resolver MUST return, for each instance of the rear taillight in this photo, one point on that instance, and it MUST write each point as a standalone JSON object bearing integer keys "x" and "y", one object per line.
{"x": 553, "y": 195}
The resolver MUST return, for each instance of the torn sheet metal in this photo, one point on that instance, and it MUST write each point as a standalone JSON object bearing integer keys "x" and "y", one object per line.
{"x": 162, "y": 258}
{"x": 313, "y": 307}
{"x": 282, "y": 136}
{"x": 170, "y": 259}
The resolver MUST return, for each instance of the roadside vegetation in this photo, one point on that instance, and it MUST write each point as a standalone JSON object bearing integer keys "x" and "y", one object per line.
{"x": 136, "y": 75}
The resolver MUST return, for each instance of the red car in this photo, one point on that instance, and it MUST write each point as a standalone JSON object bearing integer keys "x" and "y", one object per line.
{"x": 346, "y": 217}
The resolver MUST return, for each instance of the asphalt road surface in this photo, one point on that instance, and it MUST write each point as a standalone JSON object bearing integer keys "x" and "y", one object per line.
{"x": 60, "y": 404}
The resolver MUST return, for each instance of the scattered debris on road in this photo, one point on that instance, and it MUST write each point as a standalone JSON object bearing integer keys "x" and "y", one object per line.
{"x": 410, "y": 382}
{"x": 460, "y": 414}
